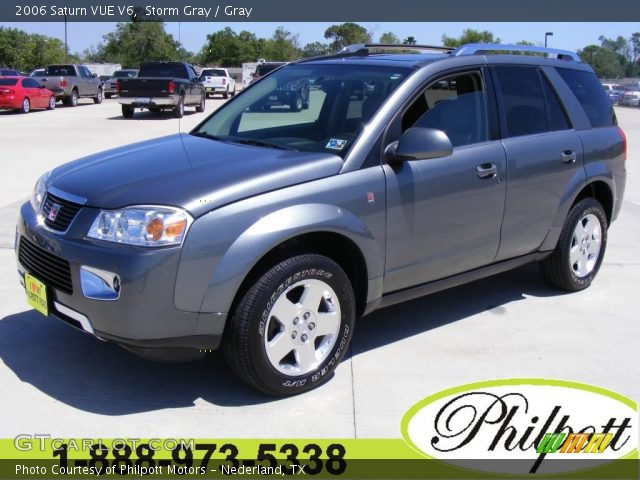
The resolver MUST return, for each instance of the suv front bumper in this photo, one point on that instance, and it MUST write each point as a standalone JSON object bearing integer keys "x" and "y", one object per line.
{"x": 143, "y": 316}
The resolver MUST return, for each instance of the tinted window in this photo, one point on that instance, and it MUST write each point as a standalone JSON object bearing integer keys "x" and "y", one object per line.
{"x": 30, "y": 83}
{"x": 38, "y": 73}
{"x": 556, "y": 116}
{"x": 456, "y": 105}
{"x": 589, "y": 92}
{"x": 125, "y": 74}
{"x": 265, "y": 68}
{"x": 61, "y": 70}
{"x": 9, "y": 73}
{"x": 163, "y": 70}
{"x": 8, "y": 82}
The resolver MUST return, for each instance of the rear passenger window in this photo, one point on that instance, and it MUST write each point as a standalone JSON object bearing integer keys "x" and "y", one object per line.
{"x": 530, "y": 104}
{"x": 456, "y": 105}
{"x": 589, "y": 92}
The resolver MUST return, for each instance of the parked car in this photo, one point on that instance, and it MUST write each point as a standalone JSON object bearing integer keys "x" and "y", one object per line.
{"x": 265, "y": 68}
{"x": 110, "y": 85}
{"x": 218, "y": 80}
{"x": 268, "y": 235}
{"x": 631, "y": 95}
{"x": 8, "y": 72}
{"x": 38, "y": 72}
{"x": 71, "y": 82}
{"x": 614, "y": 92}
{"x": 25, "y": 94}
{"x": 162, "y": 86}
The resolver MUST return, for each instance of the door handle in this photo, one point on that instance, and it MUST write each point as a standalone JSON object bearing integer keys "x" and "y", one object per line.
{"x": 487, "y": 170}
{"x": 569, "y": 156}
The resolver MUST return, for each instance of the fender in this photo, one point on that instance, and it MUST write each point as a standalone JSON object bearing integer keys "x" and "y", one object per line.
{"x": 597, "y": 173}
{"x": 278, "y": 227}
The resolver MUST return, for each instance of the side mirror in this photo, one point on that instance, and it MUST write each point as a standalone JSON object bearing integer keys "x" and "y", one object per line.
{"x": 419, "y": 144}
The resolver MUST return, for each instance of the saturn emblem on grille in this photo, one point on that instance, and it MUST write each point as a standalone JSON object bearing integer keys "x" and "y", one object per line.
{"x": 53, "y": 213}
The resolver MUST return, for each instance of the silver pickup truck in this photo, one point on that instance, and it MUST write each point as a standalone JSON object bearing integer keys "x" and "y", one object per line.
{"x": 71, "y": 82}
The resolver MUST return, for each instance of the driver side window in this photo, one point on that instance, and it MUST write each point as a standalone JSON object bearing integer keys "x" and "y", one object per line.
{"x": 456, "y": 105}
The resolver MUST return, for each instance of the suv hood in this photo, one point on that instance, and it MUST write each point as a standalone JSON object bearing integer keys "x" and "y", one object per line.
{"x": 198, "y": 174}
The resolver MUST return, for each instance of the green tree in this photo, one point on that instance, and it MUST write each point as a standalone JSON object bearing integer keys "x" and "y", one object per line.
{"x": 282, "y": 46}
{"x": 228, "y": 48}
{"x": 469, "y": 35}
{"x": 389, "y": 38}
{"x": 315, "y": 49}
{"x": 603, "y": 60}
{"x": 526, "y": 42}
{"x": 134, "y": 43}
{"x": 25, "y": 51}
{"x": 346, "y": 34}
{"x": 410, "y": 40}
{"x": 626, "y": 50}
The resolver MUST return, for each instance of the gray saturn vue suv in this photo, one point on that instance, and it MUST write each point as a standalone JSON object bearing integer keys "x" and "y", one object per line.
{"x": 268, "y": 232}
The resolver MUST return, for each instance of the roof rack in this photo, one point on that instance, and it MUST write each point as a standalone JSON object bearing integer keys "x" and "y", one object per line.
{"x": 364, "y": 48}
{"x": 480, "y": 48}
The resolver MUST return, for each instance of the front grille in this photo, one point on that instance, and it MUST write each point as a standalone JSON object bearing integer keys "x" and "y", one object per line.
{"x": 52, "y": 270}
{"x": 66, "y": 212}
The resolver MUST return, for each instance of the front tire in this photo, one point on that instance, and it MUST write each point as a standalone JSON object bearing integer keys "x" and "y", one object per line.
{"x": 292, "y": 327}
{"x": 580, "y": 249}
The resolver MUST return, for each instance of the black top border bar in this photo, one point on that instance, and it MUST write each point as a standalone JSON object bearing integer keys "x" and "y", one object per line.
{"x": 225, "y": 11}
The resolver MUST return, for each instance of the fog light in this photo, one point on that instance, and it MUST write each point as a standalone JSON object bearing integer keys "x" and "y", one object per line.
{"x": 99, "y": 284}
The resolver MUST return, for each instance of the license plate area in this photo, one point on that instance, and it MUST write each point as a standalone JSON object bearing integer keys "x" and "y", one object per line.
{"x": 36, "y": 294}
{"x": 142, "y": 100}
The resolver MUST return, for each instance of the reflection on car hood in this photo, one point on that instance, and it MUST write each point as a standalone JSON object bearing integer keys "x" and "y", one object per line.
{"x": 195, "y": 173}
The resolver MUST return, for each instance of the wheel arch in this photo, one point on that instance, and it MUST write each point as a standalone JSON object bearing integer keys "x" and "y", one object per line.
{"x": 599, "y": 188}
{"x": 306, "y": 228}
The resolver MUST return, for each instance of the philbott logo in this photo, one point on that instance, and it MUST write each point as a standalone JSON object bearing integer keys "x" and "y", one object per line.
{"x": 524, "y": 426}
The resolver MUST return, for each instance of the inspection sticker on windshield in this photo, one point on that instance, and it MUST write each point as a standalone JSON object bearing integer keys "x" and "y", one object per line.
{"x": 336, "y": 144}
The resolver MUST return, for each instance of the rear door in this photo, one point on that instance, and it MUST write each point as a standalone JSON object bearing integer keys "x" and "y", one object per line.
{"x": 544, "y": 156}
{"x": 444, "y": 214}
{"x": 86, "y": 82}
{"x": 34, "y": 92}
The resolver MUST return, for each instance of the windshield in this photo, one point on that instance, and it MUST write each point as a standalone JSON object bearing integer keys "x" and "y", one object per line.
{"x": 306, "y": 107}
{"x": 213, "y": 73}
{"x": 163, "y": 70}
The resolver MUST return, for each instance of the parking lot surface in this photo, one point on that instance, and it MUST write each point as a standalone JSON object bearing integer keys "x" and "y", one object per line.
{"x": 62, "y": 382}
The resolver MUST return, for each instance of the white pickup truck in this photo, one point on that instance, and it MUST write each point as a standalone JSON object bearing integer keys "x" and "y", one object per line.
{"x": 218, "y": 80}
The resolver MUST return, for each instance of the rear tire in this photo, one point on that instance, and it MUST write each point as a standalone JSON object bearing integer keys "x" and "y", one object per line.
{"x": 178, "y": 111}
{"x": 107, "y": 95}
{"x": 292, "y": 327}
{"x": 26, "y": 106}
{"x": 72, "y": 100}
{"x": 296, "y": 104}
{"x": 233, "y": 93}
{"x": 127, "y": 112}
{"x": 200, "y": 108}
{"x": 52, "y": 103}
{"x": 226, "y": 93}
{"x": 98, "y": 98}
{"x": 580, "y": 249}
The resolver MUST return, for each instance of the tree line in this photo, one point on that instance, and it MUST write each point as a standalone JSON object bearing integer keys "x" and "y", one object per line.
{"x": 133, "y": 43}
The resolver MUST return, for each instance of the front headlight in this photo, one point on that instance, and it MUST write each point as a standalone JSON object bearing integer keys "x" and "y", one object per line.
{"x": 143, "y": 226}
{"x": 39, "y": 191}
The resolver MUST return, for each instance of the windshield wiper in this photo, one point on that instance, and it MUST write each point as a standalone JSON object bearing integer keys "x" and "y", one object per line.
{"x": 259, "y": 143}
{"x": 203, "y": 134}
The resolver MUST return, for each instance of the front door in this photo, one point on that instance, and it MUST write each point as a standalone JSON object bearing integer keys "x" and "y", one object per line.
{"x": 444, "y": 215}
